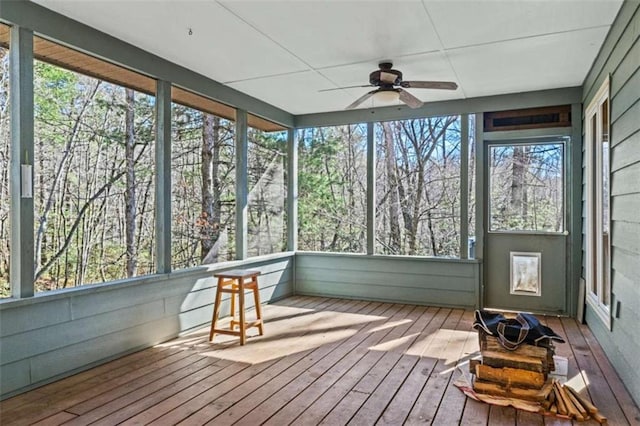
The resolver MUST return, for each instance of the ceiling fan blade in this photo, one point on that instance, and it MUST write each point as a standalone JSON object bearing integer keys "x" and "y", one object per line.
{"x": 361, "y": 99}
{"x": 446, "y": 85}
{"x": 346, "y": 87}
{"x": 409, "y": 99}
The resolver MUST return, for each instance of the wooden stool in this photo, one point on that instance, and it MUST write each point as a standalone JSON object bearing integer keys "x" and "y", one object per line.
{"x": 234, "y": 282}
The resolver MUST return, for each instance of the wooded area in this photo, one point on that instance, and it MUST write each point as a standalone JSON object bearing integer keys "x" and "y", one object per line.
{"x": 417, "y": 187}
{"x": 526, "y": 187}
{"x": 94, "y": 184}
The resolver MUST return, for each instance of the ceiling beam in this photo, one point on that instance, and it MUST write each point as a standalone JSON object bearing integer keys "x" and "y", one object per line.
{"x": 540, "y": 98}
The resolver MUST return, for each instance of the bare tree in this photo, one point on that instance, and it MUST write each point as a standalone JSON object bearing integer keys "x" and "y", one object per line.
{"x": 392, "y": 189}
{"x": 210, "y": 215}
{"x": 130, "y": 192}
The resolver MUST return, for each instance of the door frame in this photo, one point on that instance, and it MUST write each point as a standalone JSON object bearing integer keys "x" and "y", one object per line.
{"x": 572, "y": 196}
{"x": 543, "y": 241}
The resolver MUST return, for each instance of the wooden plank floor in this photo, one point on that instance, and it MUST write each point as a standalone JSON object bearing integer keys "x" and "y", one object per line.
{"x": 321, "y": 361}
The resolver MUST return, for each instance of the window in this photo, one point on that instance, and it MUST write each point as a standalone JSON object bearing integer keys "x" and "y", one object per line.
{"x": 597, "y": 172}
{"x": 418, "y": 187}
{"x": 94, "y": 168}
{"x": 332, "y": 182}
{"x": 526, "y": 187}
{"x": 5, "y": 150}
{"x": 203, "y": 184}
{"x": 266, "y": 222}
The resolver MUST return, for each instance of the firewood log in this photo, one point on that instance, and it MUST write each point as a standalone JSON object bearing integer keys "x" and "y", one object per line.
{"x": 552, "y": 397}
{"x": 510, "y": 376}
{"x": 577, "y": 404}
{"x": 599, "y": 417}
{"x": 585, "y": 402}
{"x": 562, "y": 408}
{"x": 472, "y": 365}
{"x": 498, "y": 359}
{"x": 572, "y": 411}
{"x": 492, "y": 388}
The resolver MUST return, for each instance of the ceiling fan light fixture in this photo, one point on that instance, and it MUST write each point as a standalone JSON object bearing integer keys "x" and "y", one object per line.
{"x": 387, "y": 80}
{"x": 386, "y": 97}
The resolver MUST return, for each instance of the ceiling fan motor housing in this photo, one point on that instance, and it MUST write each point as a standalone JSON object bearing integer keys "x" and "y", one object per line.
{"x": 375, "y": 80}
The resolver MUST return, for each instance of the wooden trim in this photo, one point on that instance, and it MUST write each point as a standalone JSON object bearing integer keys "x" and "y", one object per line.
{"x": 594, "y": 255}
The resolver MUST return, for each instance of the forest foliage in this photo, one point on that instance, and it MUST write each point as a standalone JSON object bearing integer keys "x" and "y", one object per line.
{"x": 94, "y": 193}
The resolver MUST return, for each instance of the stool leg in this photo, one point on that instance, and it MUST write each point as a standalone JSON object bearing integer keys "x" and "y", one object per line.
{"x": 216, "y": 309}
{"x": 256, "y": 299}
{"x": 243, "y": 337}
{"x": 233, "y": 309}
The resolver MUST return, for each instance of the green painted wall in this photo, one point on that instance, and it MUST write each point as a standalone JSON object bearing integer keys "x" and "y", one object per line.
{"x": 620, "y": 58}
{"x": 434, "y": 282}
{"x": 56, "y": 334}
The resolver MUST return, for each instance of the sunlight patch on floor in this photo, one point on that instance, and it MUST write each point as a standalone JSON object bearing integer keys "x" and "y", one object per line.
{"x": 390, "y": 345}
{"x": 309, "y": 331}
{"x": 579, "y": 382}
{"x": 390, "y": 324}
{"x": 444, "y": 339}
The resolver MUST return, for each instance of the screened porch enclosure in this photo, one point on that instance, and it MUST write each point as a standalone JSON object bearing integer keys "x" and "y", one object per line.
{"x": 131, "y": 175}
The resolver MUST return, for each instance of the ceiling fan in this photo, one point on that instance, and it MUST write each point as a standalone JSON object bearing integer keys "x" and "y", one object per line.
{"x": 390, "y": 86}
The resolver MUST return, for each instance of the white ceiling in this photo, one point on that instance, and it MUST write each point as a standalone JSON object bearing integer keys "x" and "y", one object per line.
{"x": 284, "y": 51}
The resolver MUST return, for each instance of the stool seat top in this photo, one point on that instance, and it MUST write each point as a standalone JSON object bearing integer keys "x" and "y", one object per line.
{"x": 237, "y": 273}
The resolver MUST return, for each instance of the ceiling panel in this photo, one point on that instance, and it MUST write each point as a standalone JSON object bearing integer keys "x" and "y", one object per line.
{"x": 298, "y": 93}
{"x": 162, "y": 27}
{"x": 330, "y": 33}
{"x": 545, "y": 62}
{"x": 284, "y": 52}
{"x": 467, "y": 23}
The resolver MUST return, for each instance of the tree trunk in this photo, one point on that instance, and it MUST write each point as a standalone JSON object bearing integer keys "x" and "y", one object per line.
{"x": 517, "y": 181}
{"x": 432, "y": 235}
{"x": 392, "y": 188}
{"x": 130, "y": 192}
{"x": 210, "y": 215}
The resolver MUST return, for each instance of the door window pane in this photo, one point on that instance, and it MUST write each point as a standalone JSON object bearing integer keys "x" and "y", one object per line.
{"x": 526, "y": 187}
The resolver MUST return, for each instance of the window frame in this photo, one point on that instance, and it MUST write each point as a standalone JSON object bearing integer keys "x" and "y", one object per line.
{"x": 563, "y": 141}
{"x": 597, "y": 267}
